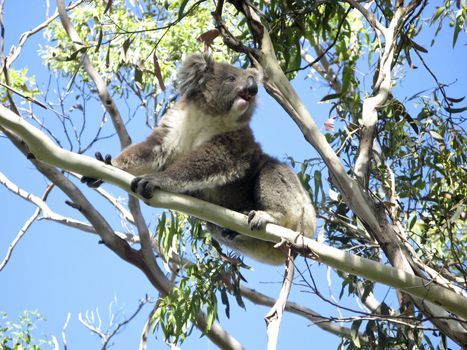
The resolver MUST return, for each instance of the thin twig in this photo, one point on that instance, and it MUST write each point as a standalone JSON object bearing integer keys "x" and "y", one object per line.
{"x": 122, "y": 324}
{"x": 106, "y": 98}
{"x": 147, "y": 326}
{"x": 15, "y": 51}
{"x": 65, "y": 345}
{"x": 29, "y": 98}
{"x": 370, "y": 17}
{"x": 274, "y": 317}
{"x": 12, "y": 187}
{"x": 324, "y": 52}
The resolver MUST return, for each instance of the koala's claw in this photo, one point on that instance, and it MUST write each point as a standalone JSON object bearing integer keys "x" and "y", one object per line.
{"x": 107, "y": 160}
{"x": 258, "y": 219}
{"x": 134, "y": 184}
{"x": 92, "y": 181}
{"x": 143, "y": 186}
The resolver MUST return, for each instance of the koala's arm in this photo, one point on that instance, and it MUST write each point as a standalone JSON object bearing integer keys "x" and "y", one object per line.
{"x": 142, "y": 158}
{"x": 214, "y": 164}
{"x": 138, "y": 159}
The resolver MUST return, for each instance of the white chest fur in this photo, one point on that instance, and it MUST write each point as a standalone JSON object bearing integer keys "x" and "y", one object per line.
{"x": 189, "y": 128}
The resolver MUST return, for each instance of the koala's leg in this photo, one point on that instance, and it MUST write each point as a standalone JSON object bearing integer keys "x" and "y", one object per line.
{"x": 281, "y": 199}
{"x": 257, "y": 219}
{"x": 259, "y": 250}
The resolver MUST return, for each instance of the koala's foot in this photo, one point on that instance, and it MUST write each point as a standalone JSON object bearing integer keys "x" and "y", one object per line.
{"x": 257, "y": 219}
{"x": 91, "y": 181}
{"x": 229, "y": 234}
{"x": 144, "y": 186}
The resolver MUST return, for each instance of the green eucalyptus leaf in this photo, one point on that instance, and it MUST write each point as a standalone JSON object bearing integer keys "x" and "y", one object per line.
{"x": 330, "y": 97}
{"x": 75, "y": 54}
{"x": 182, "y": 9}
{"x": 354, "y": 333}
{"x": 99, "y": 39}
{"x": 457, "y": 28}
{"x": 455, "y": 110}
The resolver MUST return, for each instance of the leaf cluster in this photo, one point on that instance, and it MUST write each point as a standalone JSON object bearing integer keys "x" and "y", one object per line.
{"x": 21, "y": 334}
{"x": 199, "y": 284}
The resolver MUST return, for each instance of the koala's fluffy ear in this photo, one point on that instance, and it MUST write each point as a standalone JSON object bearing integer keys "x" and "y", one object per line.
{"x": 193, "y": 73}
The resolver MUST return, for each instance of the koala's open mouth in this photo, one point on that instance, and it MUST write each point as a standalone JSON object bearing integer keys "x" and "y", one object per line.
{"x": 241, "y": 103}
{"x": 246, "y": 96}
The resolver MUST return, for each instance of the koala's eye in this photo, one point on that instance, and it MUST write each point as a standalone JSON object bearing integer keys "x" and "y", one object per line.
{"x": 231, "y": 78}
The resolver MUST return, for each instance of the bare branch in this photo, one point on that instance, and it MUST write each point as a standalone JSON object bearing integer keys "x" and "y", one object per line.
{"x": 65, "y": 326}
{"x": 374, "y": 23}
{"x": 274, "y": 317}
{"x": 371, "y": 105}
{"x": 49, "y": 214}
{"x": 107, "y": 100}
{"x": 115, "y": 202}
{"x": 320, "y": 321}
{"x": 89, "y": 323}
{"x": 15, "y": 51}
{"x": 119, "y": 326}
{"x": 12, "y": 187}
{"x": 126, "y": 215}
{"x": 147, "y": 326}
{"x": 30, "y": 99}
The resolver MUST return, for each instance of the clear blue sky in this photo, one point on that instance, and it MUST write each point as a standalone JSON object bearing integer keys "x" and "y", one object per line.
{"x": 57, "y": 270}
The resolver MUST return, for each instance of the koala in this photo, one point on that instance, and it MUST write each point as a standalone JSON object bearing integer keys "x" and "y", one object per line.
{"x": 204, "y": 147}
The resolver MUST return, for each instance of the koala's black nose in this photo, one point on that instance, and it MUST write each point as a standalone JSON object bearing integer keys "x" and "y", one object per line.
{"x": 251, "y": 86}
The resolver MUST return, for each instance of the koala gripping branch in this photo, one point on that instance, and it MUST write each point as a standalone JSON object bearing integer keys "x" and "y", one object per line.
{"x": 45, "y": 150}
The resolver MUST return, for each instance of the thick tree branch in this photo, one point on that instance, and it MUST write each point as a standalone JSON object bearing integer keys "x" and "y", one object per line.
{"x": 371, "y": 105}
{"x": 45, "y": 150}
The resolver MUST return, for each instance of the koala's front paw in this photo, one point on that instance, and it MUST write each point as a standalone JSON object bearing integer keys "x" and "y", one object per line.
{"x": 91, "y": 181}
{"x": 257, "y": 219}
{"x": 144, "y": 186}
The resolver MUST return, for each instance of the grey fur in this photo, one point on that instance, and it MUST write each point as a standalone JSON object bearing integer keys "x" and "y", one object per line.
{"x": 204, "y": 147}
